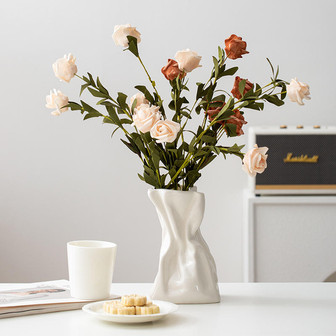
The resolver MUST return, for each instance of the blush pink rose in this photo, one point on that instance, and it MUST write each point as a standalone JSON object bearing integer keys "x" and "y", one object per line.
{"x": 122, "y": 31}
{"x": 65, "y": 68}
{"x": 255, "y": 160}
{"x": 57, "y": 100}
{"x": 165, "y": 131}
{"x": 145, "y": 117}
{"x": 297, "y": 91}
{"x": 188, "y": 60}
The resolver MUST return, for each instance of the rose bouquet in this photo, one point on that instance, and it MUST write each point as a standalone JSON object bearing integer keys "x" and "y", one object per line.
{"x": 173, "y": 155}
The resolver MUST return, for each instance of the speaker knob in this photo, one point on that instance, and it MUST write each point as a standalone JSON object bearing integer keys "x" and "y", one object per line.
{"x": 299, "y": 126}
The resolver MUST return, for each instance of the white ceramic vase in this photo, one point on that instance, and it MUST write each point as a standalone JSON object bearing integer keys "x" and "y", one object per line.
{"x": 187, "y": 271}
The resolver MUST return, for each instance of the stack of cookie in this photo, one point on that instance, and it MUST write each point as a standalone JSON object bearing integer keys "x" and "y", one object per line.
{"x": 133, "y": 304}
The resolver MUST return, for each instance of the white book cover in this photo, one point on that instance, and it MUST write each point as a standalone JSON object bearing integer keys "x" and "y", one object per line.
{"x": 39, "y": 297}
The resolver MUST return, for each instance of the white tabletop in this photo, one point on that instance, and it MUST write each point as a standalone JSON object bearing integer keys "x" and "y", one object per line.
{"x": 245, "y": 309}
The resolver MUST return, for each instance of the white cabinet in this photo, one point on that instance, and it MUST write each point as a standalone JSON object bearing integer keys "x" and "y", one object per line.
{"x": 289, "y": 238}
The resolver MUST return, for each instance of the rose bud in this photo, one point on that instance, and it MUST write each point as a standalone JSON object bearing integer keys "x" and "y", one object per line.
{"x": 297, "y": 91}
{"x": 165, "y": 131}
{"x": 171, "y": 70}
{"x": 254, "y": 160}
{"x": 188, "y": 60}
{"x": 56, "y": 100}
{"x": 235, "y": 47}
{"x": 121, "y": 32}
{"x": 65, "y": 68}
{"x": 235, "y": 91}
{"x": 140, "y": 99}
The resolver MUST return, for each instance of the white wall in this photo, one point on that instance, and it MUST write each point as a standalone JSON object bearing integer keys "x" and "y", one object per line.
{"x": 63, "y": 179}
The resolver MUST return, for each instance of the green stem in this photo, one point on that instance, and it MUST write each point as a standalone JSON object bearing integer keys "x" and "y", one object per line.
{"x": 151, "y": 81}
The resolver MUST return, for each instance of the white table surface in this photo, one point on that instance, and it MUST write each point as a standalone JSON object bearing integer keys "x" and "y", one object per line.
{"x": 245, "y": 309}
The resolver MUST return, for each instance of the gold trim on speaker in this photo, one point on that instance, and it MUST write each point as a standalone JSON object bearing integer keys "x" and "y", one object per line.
{"x": 295, "y": 186}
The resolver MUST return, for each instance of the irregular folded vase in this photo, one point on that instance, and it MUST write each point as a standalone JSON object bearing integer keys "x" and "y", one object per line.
{"x": 187, "y": 271}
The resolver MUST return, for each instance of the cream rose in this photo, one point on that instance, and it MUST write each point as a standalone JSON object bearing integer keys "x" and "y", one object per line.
{"x": 145, "y": 117}
{"x": 255, "y": 160}
{"x": 165, "y": 131}
{"x": 187, "y": 60}
{"x": 65, "y": 68}
{"x": 297, "y": 91}
{"x": 121, "y": 32}
{"x": 56, "y": 100}
{"x": 140, "y": 99}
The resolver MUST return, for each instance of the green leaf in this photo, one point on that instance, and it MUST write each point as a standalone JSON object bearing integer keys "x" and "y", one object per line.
{"x": 116, "y": 129}
{"x": 283, "y": 91}
{"x": 96, "y": 93}
{"x": 231, "y": 130}
{"x": 242, "y": 84}
{"x": 226, "y": 107}
{"x": 220, "y": 98}
{"x": 211, "y": 140}
{"x": 200, "y": 152}
{"x": 146, "y": 93}
{"x": 228, "y": 72}
{"x": 83, "y": 87}
{"x": 126, "y": 121}
{"x": 133, "y": 105}
{"x": 130, "y": 146}
{"x": 101, "y": 87}
{"x": 186, "y": 114}
{"x": 122, "y": 101}
{"x": 87, "y": 80}
{"x": 207, "y": 161}
{"x": 112, "y": 113}
{"x": 92, "y": 113}
{"x": 191, "y": 177}
{"x": 255, "y": 106}
{"x": 133, "y": 45}
{"x": 101, "y": 101}
{"x": 215, "y": 62}
{"x": 73, "y": 106}
{"x": 141, "y": 177}
{"x": 92, "y": 82}
{"x": 220, "y": 54}
{"x": 199, "y": 90}
{"x": 198, "y": 109}
{"x": 273, "y": 100}
{"x": 269, "y": 62}
{"x": 139, "y": 143}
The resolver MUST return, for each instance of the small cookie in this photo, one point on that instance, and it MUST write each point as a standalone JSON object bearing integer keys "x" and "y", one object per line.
{"x": 122, "y": 310}
{"x": 111, "y": 307}
{"x": 133, "y": 300}
{"x": 149, "y": 308}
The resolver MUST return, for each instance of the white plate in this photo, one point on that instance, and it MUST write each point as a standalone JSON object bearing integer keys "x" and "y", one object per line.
{"x": 96, "y": 309}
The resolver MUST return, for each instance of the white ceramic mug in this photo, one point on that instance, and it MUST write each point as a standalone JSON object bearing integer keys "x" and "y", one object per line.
{"x": 90, "y": 265}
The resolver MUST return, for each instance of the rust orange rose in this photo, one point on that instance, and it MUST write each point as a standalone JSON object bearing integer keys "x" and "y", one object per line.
{"x": 235, "y": 47}
{"x": 236, "y": 119}
{"x": 235, "y": 91}
{"x": 171, "y": 70}
{"x": 212, "y": 112}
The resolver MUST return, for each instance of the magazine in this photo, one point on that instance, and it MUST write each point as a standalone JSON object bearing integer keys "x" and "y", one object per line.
{"x": 38, "y": 298}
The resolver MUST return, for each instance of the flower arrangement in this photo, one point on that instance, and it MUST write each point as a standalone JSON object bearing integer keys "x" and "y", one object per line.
{"x": 173, "y": 155}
